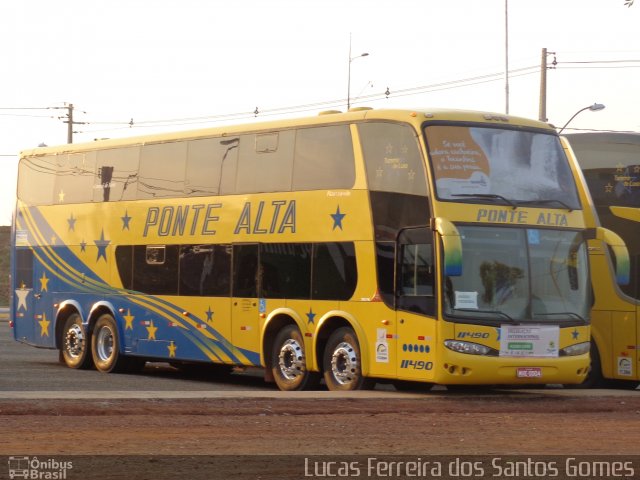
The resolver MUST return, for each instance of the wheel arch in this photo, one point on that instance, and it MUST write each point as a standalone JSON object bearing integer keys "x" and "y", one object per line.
{"x": 97, "y": 310}
{"x": 65, "y": 310}
{"x": 328, "y": 324}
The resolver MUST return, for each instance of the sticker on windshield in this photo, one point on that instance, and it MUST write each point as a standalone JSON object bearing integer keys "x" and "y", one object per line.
{"x": 533, "y": 236}
{"x": 466, "y": 300}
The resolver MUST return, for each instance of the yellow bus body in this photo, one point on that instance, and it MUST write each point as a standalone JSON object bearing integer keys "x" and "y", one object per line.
{"x": 74, "y": 245}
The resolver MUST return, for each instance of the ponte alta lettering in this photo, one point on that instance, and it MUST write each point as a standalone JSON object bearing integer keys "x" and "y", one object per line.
{"x": 491, "y": 215}
{"x": 277, "y": 216}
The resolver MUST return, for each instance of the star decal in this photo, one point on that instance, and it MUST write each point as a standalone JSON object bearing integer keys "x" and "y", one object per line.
{"x": 152, "y": 331}
{"x": 125, "y": 220}
{"x": 44, "y": 282}
{"x": 22, "y": 294}
{"x": 337, "y": 218}
{"x": 209, "y": 313}
{"x": 44, "y": 326}
{"x": 102, "y": 246}
{"x": 72, "y": 223}
{"x": 608, "y": 188}
{"x": 83, "y": 246}
{"x": 61, "y": 196}
{"x": 128, "y": 320}
{"x": 172, "y": 349}
{"x": 575, "y": 334}
{"x": 311, "y": 316}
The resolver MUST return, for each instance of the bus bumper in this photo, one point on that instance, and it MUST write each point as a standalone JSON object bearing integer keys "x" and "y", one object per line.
{"x": 463, "y": 369}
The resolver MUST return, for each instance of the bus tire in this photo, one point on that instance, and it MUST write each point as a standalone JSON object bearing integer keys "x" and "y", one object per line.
{"x": 105, "y": 346}
{"x": 288, "y": 362}
{"x": 75, "y": 344}
{"x": 342, "y": 362}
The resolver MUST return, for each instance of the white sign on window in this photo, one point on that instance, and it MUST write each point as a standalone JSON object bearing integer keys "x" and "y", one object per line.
{"x": 529, "y": 341}
{"x": 466, "y": 300}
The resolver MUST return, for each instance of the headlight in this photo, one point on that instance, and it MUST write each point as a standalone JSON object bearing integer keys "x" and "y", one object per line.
{"x": 466, "y": 347}
{"x": 577, "y": 349}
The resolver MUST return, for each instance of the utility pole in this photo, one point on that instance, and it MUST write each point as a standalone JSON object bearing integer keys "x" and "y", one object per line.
{"x": 542, "y": 112}
{"x": 506, "y": 56}
{"x": 69, "y": 121}
{"x": 542, "y": 115}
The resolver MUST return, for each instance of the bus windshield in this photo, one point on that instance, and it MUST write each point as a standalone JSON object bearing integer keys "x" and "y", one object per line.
{"x": 518, "y": 274}
{"x": 500, "y": 165}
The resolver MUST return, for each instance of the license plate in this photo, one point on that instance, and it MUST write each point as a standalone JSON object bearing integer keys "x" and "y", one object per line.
{"x": 529, "y": 372}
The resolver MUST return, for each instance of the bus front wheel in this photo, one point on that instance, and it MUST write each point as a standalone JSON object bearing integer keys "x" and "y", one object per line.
{"x": 288, "y": 361}
{"x": 75, "y": 344}
{"x": 342, "y": 362}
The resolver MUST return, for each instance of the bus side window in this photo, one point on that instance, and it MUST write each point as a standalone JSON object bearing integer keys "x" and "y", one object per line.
{"x": 155, "y": 269}
{"x": 245, "y": 271}
{"x": 415, "y": 274}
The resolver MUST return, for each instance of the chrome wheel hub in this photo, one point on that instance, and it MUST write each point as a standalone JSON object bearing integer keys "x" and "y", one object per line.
{"x": 74, "y": 341}
{"x": 291, "y": 360}
{"x": 344, "y": 364}
{"x": 104, "y": 344}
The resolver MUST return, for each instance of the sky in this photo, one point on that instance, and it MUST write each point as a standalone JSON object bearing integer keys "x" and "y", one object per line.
{"x": 134, "y": 67}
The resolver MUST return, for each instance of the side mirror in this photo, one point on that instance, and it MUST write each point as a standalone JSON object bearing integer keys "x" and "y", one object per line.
{"x": 623, "y": 263}
{"x": 452, "y": 246}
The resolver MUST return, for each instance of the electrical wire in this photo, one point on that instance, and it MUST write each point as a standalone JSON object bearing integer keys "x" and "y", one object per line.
{"x": 337, "y": 103}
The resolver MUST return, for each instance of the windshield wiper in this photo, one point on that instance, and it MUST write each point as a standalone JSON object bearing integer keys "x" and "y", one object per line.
{"x": 487, "y": 195}
{"x": 490, "y": 312}
{"x": 571, "y": 314}
{"x": 545, "y": 202}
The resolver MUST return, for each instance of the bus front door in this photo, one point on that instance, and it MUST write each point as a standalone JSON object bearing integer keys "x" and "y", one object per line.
{"x": 416, "y": 305}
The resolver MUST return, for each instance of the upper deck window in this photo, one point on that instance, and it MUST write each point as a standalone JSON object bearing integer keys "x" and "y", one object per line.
{"x": 485, "y": 164}
{"x": 392, "y": 157}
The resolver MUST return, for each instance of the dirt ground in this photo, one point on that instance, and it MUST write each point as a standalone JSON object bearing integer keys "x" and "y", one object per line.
{"x": 447, "y": 424}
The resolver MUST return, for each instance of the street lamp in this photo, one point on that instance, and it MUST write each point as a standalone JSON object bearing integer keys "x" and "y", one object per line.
{"x": 351, "y": 59}
{"x": 594, "y": 108}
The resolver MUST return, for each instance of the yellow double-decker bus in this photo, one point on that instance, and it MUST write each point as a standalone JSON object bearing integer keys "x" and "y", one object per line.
{"x": 611, "y": 165}
{"x": 432, "y": 246}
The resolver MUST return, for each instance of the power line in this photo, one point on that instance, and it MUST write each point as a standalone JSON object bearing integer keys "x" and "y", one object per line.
{"x": 337, "y": 103}
{"x": 605, "y": 61}
{"x": 447, "y": 85}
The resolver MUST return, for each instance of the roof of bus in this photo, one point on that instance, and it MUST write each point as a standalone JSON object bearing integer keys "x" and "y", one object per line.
{"x": 328, "y": 117}
{"x": 603, "y": 137}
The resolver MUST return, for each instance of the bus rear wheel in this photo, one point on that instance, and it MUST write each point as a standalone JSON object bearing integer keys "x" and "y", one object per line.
{"x": 105, "y": 346}
{"x": 75, "y": 344}
{"x": 342, "y": 362}
{"x": 288, "y": 362}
